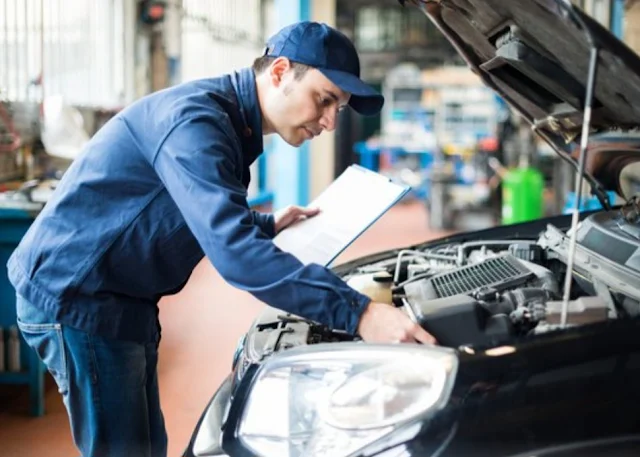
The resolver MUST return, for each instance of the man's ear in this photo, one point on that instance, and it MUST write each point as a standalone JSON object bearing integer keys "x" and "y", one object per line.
{"x": 278, "y": 69}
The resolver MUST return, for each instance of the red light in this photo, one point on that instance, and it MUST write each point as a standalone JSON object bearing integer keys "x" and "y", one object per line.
{"x": 156, "y": 12}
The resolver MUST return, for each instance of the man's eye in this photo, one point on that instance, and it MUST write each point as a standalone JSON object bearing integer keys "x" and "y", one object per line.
{"x": 325, "y": 101}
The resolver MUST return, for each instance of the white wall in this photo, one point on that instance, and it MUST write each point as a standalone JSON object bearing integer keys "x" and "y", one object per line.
{"x": 219, "y": 36}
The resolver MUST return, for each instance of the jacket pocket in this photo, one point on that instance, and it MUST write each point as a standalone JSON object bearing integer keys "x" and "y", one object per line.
{"x": 47, "y": 341}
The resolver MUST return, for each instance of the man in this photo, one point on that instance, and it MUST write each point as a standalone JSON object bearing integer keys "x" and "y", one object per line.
{"x": 160, "y": 186}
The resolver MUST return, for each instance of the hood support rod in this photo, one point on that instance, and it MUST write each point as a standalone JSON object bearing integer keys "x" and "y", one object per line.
{"x": 584, "y": 141}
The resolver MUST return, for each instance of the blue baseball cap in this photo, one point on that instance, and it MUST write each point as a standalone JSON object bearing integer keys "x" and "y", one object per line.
{"x": 330, "y": 52}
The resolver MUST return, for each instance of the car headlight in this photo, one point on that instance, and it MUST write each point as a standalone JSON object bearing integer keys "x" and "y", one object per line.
{"x": 336, "y": 399}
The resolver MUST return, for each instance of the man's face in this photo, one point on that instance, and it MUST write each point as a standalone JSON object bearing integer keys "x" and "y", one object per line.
{"x": 299, "y": 110}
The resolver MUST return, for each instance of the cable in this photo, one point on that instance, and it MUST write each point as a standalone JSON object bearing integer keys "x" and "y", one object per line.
{"x": 396, "y": 275}
{"x": 418, "y": 255}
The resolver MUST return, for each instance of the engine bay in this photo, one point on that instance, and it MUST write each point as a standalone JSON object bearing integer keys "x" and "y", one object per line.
{"x": 487, "y": 292}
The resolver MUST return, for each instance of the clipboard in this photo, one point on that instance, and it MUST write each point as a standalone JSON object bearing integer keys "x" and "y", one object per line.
{"x": 348, "y": 207}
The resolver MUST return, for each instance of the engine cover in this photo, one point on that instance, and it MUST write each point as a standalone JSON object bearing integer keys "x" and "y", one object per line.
{"x": 452, "y": 305}
{"x": 495, "y": 274}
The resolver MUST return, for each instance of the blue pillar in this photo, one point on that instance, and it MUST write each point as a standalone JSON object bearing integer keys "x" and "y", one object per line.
{"x": 617, "y": 18}
{"x": 292, "y": 164}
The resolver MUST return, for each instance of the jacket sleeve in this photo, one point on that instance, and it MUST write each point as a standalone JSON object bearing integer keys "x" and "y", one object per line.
{"x": 266, "y": 222}
{"x": 197, "y": 163}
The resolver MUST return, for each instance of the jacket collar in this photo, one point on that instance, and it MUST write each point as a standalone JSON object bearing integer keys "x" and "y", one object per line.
{"x": 244, "y": 84}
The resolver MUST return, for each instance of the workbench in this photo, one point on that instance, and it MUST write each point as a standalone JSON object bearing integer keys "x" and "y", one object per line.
{"x": 13, "y": 225}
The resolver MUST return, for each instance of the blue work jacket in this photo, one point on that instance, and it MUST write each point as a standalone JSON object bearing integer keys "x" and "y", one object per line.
{"x": 159, "y": 186}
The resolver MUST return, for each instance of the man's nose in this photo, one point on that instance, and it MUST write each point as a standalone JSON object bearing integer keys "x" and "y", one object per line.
{"x": 328, "y": 119}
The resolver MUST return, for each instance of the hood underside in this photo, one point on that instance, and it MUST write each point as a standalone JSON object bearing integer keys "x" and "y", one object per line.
{"x": 535, "y": 54}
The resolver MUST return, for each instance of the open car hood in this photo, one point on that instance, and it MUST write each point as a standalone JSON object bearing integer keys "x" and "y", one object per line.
{"x": 535, "y": 54}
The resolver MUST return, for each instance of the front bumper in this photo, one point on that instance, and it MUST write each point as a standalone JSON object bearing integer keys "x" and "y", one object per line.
{"x": 207, "y": 437}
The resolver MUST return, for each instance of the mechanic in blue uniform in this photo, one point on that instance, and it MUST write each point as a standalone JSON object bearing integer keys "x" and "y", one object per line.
{"x": 158, "y": 187}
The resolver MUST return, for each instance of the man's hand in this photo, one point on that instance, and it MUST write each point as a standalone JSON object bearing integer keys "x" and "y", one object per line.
{"x": 292, "y": 214}
{"x": 382, "y": 323}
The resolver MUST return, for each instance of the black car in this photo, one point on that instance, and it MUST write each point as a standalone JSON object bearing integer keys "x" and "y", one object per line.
{"x": 532, "y": 360}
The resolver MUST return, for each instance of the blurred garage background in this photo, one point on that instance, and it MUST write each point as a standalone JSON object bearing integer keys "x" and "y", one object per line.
{"x": 68, "y": 66}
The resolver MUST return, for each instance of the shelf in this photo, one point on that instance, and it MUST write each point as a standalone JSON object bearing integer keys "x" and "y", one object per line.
{"x": 13, "y": 225}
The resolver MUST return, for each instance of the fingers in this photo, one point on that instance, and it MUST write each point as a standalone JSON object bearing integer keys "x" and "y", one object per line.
{"x": 295, "y": 212}
{"x": 382, "y": 323}
{"x": 422, "y": 336}
{"x": 299, "y": 214}
{"x": 309, "y": 212}
{"x": 292, "y": 214}
{"x": 416, "y": 334}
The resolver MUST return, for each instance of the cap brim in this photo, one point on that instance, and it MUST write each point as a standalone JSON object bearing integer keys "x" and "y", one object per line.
{"x": 364, "y": 98}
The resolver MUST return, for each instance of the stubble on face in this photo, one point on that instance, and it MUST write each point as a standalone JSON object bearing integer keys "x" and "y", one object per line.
{"x": 301, "y": 105}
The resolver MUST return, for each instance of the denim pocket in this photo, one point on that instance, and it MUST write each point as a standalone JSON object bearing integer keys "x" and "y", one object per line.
{"x": 47, "y": 341}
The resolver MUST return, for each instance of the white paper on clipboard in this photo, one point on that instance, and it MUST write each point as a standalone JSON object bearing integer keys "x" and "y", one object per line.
{"x": 348, "y": 207}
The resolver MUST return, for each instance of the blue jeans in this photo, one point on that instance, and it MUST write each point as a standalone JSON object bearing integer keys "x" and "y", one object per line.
{"x": 109, "y": 387}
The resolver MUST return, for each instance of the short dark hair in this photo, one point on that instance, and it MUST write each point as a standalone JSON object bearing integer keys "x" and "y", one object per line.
{"x": 262, "y": 63}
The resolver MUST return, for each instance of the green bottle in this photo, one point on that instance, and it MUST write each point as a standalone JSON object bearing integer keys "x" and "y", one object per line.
{"x": 522, "y": 195}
